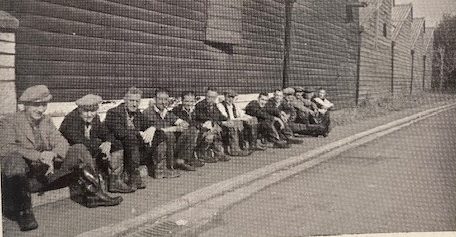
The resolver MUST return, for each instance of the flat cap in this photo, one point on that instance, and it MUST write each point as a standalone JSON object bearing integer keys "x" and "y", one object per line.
{"x": 36, "y": 94}
{"x": 289, "y": 91}
{"x": 230, "y": 92}
{"x": 309, "y": 90}
{"x": 299, "y": 89}
{"x": 89, "y": 101}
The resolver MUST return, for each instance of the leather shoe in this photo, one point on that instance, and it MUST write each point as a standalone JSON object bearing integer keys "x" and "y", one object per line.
{"x": 240, "y": 153}
{"x": 101, "y": 199}
{"x": 196, "y": 163}
{"x": 116, "y": 185}
{"x": 281, "y": 144}
{"x": 26, "y": 220}
{"x": 291, "y": 140}
{"x": 222, "y": 158}
{"x": 185, "y": 167}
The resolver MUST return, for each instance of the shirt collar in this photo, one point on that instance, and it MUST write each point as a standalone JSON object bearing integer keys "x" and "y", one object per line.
{"x": 161, "y": 113}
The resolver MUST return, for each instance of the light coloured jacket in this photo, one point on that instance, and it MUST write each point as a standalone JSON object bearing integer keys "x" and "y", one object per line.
{"x": 16, "y": 135}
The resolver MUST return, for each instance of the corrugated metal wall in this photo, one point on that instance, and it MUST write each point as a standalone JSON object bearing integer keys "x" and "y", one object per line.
{"x": 402, "y": 23}
{"x": 104, "y": 47}
{"x": 324, "y": 48}
{"x": 418, "y": 25}
{"x": 376, "y": 69}
{"x": 429, "y": 50}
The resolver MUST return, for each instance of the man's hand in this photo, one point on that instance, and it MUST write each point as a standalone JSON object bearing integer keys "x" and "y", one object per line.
{"x": 282, "y": 124}
{"x": 284, "y": 116}
{"x": 228, "y": 123}
{"x": 47, "y": 158}
{"x": 105, "y": 148}
{"x": 182, "y": 123}
{"x": 148, "y": 135}
{"x": 207, "y": 125}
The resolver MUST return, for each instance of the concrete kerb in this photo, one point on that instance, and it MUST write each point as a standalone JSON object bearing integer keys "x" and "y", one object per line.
{"x": 220, "y": 188}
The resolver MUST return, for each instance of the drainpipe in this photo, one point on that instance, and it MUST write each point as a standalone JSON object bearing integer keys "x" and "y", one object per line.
{"x": 393, "y": 44}
{"x": 358, "y": 64}
{"x": 349, "y": 9}
{"x": 287, "y": 42}
{"x": 413, "y": 67}
{"x": 424, "y": 70}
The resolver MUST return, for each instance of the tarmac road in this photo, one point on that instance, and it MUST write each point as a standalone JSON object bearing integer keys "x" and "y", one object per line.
{"x": 403, "y": 182}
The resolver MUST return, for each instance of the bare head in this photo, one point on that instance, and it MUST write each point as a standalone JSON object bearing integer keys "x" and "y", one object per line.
{"x": 278, "y": 95}
{"x": 211, "y": 95}
{"x": 162, "y": 99}
{"x": 133, "y": 99}
{"x": 188, "y": 99}
{"x": 263, "y": 99}
{"x": 321, "y": 93}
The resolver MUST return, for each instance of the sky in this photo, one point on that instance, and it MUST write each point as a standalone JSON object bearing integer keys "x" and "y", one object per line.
{"x": 432, "y": 10}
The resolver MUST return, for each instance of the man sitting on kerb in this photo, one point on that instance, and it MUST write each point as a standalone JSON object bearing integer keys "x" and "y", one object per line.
{"x": 324, "y": 106}
{"x": 246, "y": 134}
{"x": 83, "y": 126}
{"x": 180, "y": 137}
{"x": 36, "y": 157}
{"x": 140, "y": 139}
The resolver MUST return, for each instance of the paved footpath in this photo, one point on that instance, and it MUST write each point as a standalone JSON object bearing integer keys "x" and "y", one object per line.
{"x": 66, "y": 218}
{"x": 403, "y": 182}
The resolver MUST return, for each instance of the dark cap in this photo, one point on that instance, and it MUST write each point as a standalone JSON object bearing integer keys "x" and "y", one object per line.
{"x": 288, "y": 91}
{"x": 89, "y": 102}
{"x": 36, "y": 94}
{"x": 230, "y": 93}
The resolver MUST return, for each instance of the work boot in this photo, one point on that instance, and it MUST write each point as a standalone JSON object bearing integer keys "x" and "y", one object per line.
{"x": 205, "y": 155}
{"x": 256, "y": 146}
{"x": 222, "y": 157}
{"x": 180, "y": 164}
{"x": 26, "y": 220}
{"x": 281, "y": 144}
{"x": 292, "y": 140}
{"x": 241, "y": 153}
{"x": 116, "y": 185}
{"x": 93, "y": 193}
{"x": 196, "y": 163}
{"x": 136, "y": 180}
{"x": 23, "y": 203}
{"x": 171, "y": 173}
{"x": 219, "y": 154}
{"x": 159, "y": 169}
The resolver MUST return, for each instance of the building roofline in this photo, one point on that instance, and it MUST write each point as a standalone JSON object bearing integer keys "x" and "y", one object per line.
{"x": 402, "y": 18}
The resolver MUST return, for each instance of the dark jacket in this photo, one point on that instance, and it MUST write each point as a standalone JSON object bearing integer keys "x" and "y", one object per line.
{"x": 73, "y": 127}
{"x": 190, "y": 118}
{"x": 116, "y": 121}
{"x": 275, "y": 110}
{"x": 154, "y": 117}
{"x": 204, "y": 112}
{"x": 253, "y": 109}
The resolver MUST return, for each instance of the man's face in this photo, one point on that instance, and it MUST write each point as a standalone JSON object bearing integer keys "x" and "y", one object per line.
{"x": 299, "y": 94}
{"x": 289, "y": 97}
{"x": 88, "y": 115}
{"x": 322, "y": 94}
{"x": 230, "y": 99}
{"x": 278, "y": 96}
{"x": 35, "y": 111}
{"x": 262, "y": 100}
{"x": 162, "y": 100}
{"x": 132, "y": 102}
{"x": 309, "y": 95}
{"x": 212, "y": 96}
{"x": 188, "y": 101}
